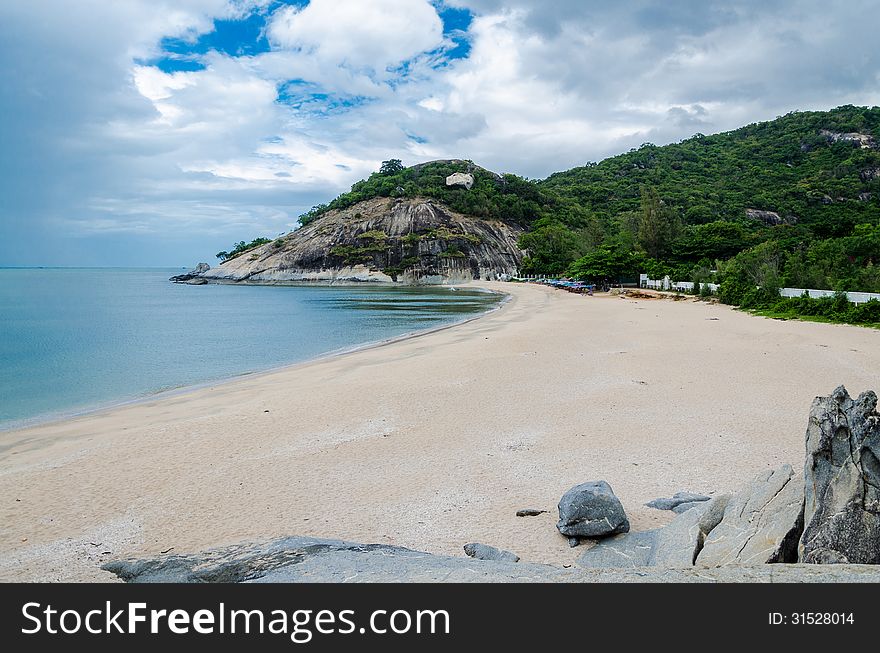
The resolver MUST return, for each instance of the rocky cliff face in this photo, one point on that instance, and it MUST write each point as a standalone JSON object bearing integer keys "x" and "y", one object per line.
{"x": 414, "y": 241}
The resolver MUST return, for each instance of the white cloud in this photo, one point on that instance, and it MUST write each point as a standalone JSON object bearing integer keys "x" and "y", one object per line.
{"x": 98, "y": 142}
{"x": 356, "y": 34}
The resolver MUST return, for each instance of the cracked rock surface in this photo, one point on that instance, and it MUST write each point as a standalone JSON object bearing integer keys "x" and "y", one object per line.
{"x": 842, "y": 480}
{"x": 673, "y": 546}
{"x": 761, "y": 523}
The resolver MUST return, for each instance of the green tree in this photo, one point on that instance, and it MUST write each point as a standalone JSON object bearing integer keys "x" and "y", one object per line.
{"x": 241, "y": 247}
{"x": 313, "y": 214}
{"x": 391, "y": 167}
{"x": 606, "y": 263}
{"x": 550, "y": 248}
{"x": 659, "y": 225}
{"x": 718, "y": 239}
{"x": 752, "y": 277}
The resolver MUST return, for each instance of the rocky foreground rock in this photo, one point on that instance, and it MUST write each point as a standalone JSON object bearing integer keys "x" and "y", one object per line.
{"x": 678, "y": 502}
{"x": 760, "y": 524}
{"x": 677, "y": 545}
{"x": 486, "y": 552}
{"x": 310, "y": 560}
{"x": 591, "y": 510}
{"x": 842, "y": 480}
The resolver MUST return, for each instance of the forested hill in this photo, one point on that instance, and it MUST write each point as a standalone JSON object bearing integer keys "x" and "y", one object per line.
{"x": 806, "y": 186}
{"x": 807, "y": 167}
{"x": 794, "y": 201}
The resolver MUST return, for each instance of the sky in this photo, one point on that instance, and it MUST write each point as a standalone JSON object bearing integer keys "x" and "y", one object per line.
{"x": 158, "y": 132}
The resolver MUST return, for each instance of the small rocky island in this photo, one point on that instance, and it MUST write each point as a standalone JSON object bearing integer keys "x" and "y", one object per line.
{"x": 408, "y": 240}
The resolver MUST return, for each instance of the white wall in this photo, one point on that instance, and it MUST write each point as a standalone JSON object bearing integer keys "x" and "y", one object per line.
{"x": 854, "y": 297}
{"x": 666, "y": 284}
{"x": 688, "y": 286}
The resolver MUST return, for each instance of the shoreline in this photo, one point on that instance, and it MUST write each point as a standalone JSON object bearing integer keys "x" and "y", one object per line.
{"x": 435, "y": 440}
{"x": 63, "y": 416}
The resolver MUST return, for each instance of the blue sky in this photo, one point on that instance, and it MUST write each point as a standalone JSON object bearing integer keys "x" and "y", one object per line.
{"x": 157, "y": 132}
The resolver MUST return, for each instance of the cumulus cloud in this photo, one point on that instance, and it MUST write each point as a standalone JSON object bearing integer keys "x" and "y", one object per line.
{"x": 105, "y": 144}
{"x": 356, "y": 34}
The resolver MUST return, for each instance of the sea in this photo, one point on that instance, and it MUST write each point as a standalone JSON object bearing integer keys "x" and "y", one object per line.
{"x": 77, "y": 340}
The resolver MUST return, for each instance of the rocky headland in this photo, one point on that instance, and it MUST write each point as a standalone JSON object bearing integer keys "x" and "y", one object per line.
{"x": 414, "y": 240}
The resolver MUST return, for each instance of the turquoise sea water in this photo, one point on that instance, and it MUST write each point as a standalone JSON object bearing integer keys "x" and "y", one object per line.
{"x": 77, "y": 339}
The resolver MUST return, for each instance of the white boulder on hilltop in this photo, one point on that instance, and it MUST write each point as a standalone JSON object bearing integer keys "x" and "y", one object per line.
{"x": 460, "y": 179}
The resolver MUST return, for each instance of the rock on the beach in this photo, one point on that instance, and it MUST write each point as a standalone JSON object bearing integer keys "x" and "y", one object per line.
{"x": 761, "y": 523}
{"x": 680, "y": 542}
{"x": 529, "y": 512}
{"x": 673, "y": 546}
{"x": 624, "y": 550}
{"x": 684, "y": 507}
{"x": 842, "y": 480}
{"x": 486, "y": 552}
{"x": 311, "y": 560}
{"x": 591, "y": 510}
{"x": 676, "y": 500}
{"x": 711, "y": 515}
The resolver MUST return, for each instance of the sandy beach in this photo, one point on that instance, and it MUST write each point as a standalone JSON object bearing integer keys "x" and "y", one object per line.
{"x": 433, "y": 441}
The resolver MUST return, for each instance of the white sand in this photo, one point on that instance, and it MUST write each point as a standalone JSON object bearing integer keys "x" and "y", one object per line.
{"x": 434, "y": 441}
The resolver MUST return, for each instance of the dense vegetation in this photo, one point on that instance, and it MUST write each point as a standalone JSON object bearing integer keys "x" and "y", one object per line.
{"x": 682, "y": 209}
{"x": 825, "y": 309}
{"x": 686, "y": 209}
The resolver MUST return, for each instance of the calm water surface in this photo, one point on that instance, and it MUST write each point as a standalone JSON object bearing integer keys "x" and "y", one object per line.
{"x": 77, "y": 339}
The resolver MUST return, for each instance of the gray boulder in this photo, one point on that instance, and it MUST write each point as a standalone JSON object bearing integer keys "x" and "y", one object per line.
{"x": 869, "y": 174}
{"x": 676, "y": 500}
{"x": 767, "y": 217}
{"x": 842, "y": 480}
{"x": 486, "y": 552}
{"x": 591, "y": 510}
{"x": 761, "y": 523}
